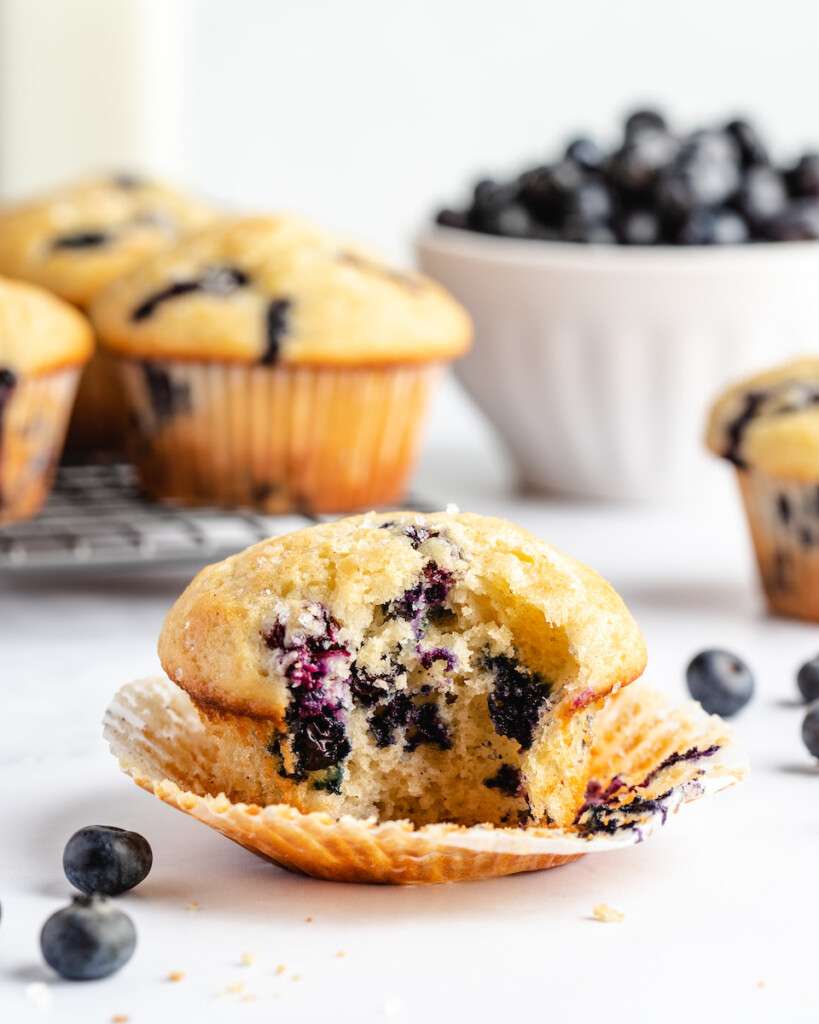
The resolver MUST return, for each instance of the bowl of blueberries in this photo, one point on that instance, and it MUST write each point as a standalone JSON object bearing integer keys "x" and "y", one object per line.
{"x": 615, "y": 290}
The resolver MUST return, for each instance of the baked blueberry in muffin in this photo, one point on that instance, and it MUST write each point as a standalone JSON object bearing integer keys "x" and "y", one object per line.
{"x": 433, "y": 668}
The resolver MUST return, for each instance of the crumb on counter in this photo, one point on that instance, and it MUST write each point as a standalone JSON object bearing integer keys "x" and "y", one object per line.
{"x": 603, "y": 912}
{"x": 281, "y": 969}
{"x": 249, "y": 959}
{"x": 176, "y": 976}
{"x": 761, "y": 984}
{"x": 120, "y": 1018}
{"x": 341, "y": 954}
{"x": 251, "y": 997}
{"x": 297, "y": 977}
{"x": 309, "y": 919}
{"x": 193, "y": 906}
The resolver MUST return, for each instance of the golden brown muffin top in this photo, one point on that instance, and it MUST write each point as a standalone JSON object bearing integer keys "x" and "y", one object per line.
{"x": 770, "y": 422}
{"x": 276, "y": 288}
{"x": 76, "y": 240}
{"x": 561, "y": 618}
{"x": 39, "y": 332}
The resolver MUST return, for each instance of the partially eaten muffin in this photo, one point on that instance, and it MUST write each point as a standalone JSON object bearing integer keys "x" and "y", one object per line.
{"x": 432, "y": 668}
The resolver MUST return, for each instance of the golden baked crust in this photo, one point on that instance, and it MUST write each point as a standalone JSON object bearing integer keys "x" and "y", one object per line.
{"x": 262, "y": 289}
{"x": 770, "y": 422}
{"x": 76, "y": 240}
{"x": 39, "y": 332}
{"x": 436, "y": 667}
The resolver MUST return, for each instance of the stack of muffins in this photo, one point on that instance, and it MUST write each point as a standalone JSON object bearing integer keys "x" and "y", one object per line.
{"x": 257, "y": 361}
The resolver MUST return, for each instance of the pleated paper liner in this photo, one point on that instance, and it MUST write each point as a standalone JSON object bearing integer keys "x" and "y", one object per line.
{"x": 278, "y": 438}
{"x": 783, "y": 516}
{"x": 647, "y": 762}
{"x": 99, "y": 419}
{"x": 33, "y": 422}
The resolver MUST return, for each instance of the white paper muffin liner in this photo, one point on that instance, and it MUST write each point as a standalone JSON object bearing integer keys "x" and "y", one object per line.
{"x": 642, "y": 751}
{"x": 33, "y": 424}
{"x": 279, "y": 438}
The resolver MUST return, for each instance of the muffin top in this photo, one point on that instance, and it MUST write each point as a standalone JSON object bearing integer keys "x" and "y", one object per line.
{"x": 76, "y": 240}
{"x": 39, "y": 332}
{"x": 770, "y": 422}
{"x": 268, "y": 289}
{"x": 382, "y": 586}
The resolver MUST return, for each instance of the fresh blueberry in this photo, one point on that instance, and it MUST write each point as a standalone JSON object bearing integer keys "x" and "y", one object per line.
{"x": 644, "y": 120}
{"x": 451, "y": 219}
{"x": 639, "y": 163}
{"x": 810, "y": 729}
{"x": 751, "y": 148}
{"x": 803, "y": 179}
{"x": 639, "y": 227}
{"x": 547, "y": 191}
{"x": 798, "y": 223}
{"x": 713, "y": 227}
{"x": 720, "y": 681}
{"x": 590, "y": 204}
{"x": 106, "y": 859}
{"x": 762, "y": 196}
{"x": 586, "y": 154}
{"x": 88, "y": 939}
{"x": 807, "y": 680}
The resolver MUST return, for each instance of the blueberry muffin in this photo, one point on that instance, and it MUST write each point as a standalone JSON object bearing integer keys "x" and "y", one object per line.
{"x": 440, "y": 668}
{"x": 44, "y": 343}
{"x": 270, "y": 363}
{"x": 768, "y": 427}
{"x": 76, "y": 240}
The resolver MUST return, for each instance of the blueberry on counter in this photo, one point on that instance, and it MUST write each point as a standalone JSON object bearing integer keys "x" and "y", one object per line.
{"x": 88, "y": 939}
{"x": 807, "y": 680}
{"x": 810, "y": 729}
{"x": 720, "y": 681}
{"x": 106, "y": 859}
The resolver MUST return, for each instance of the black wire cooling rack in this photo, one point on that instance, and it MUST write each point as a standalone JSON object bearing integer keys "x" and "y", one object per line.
{"x": 97, "y": 518}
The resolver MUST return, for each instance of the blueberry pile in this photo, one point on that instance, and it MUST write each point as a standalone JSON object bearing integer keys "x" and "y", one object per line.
{"x": 91, "y": 938}
{"x": 716, "y": 186}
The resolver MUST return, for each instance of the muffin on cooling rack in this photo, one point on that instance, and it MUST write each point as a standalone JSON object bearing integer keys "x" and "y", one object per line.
{"x": 269, "y": 363}
{"x": 44, "y": 343}
{"x": 75, "y": 241}
{"x": 768, "y": 427}
{"x": 431, "y": 668}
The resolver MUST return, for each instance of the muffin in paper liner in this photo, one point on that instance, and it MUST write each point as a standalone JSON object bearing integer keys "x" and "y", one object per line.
{"x": 34, "y": 413}
{"x": 646, "y": 762}
{"x": 767, "y": 426}
{"x": 783, "y": 518}
{"x": 278, "y": 438}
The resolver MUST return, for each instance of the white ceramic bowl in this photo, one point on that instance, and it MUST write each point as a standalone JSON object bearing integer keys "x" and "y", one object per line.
{"x": 597, "y": 363}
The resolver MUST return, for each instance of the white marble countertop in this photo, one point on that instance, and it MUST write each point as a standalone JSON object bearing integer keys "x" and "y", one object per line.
{"x": 720, "y": 906}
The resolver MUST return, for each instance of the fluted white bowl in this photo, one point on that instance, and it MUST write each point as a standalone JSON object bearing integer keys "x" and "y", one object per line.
{"x": 597, "y": 363}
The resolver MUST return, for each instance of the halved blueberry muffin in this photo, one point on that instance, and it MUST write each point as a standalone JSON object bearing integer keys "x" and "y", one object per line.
{"x": 75, "y": 241}
{"x": 430, "y": 668}
{"x": 768, "y": 427}
{"x": 270, "y": 363}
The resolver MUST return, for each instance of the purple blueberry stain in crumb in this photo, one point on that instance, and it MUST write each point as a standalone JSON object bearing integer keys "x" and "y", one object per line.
{"x": 168, "y": 397}
{"x": 783, "y": 508}
{"x": 277, "y": 321}
{"x": 603, "y": 818}
{"x": 517, "y": 699}
{"x": 431, "y": 591}
{"x": 414, "y": 532}
{"x": 429, "y": 657}
{"x": 82, "y": 240}
{"x": 420, "y": 723}
{"x": 596, "y": 794}
{"x": 368, "y": 688}
{"x": 220, "y": 281}
{"x": 309, "y": 657}
{"x": 507, "y": 780}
